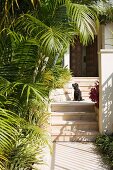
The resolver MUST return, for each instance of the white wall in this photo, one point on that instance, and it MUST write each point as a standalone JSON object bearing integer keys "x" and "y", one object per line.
{"x": 67, "y": 59}
{"x": 106, "y": 91}
{"x": 107, "y": 36}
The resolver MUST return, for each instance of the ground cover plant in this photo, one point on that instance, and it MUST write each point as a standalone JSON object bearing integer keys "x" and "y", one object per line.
{"x": 104, "y": 145}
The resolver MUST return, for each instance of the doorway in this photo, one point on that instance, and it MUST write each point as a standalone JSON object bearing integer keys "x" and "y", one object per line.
{"x": 84, "y": 59}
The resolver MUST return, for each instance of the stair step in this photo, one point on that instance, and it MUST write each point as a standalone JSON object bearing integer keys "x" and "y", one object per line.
{"x": 67, "y": 91}
{"x": 80, "y": 136}
{"x": 78, "y": 132}
{"x": 74, "y": 125}
{"x": 71, "y": 113}
{"x": 72, "y": 122}
{"x": 84, "y": 79}
{"x": 83, "y": 84}
{"x": 73, "y": 106}
{"x": 59, "y": 116}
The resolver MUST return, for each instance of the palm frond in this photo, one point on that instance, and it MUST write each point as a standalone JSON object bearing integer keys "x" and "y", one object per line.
{"x": 51, "y": 39}
{"x": 30, "y": 90}
{"x": 9, "y": 123}
{"x": 83, "y": 19}
{"x": 4, "y": 83}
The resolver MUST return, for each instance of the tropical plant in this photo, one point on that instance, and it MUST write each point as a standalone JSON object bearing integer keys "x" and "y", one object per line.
{"x": 11, "y": 9}
{"x": 104, "y": 145}
{"x": 23, "y": 131}
{"x": 24, "y": 97}
{"x": 56, "y": 77}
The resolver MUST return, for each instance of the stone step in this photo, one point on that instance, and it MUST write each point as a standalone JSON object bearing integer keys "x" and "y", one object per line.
{"x": 80, "y": 136}
{"x": 59, "y": 116}
{"x": 67, "y": 91}
{"x": 68, "y": 97}
{"x": 91, "y": 79}
{"x": 65, "y": 98}
{"x": 70, "y": 89}
{"x": 71, "y": 93}
{"x": 81, "y": 84}
{"x": 72, "y": 106}
{"x": 74, "y": 125}
{"x": 83, "y": 81}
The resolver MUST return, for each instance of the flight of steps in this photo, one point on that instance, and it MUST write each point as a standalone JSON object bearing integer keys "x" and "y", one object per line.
{"x": 67, "y": 93}
{"x": 73, "y": 121}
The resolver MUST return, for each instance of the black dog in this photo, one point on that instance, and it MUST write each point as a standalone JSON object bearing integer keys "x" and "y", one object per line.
{"x": 77, "y": 92}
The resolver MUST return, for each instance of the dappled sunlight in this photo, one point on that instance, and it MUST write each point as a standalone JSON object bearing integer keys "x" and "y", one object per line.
{"x": 107, "y": 96}
{"x": 76, "y": 156}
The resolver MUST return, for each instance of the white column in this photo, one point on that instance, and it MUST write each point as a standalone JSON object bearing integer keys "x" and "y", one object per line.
{"x": 106, "y": 91}
{"x": 67, "y": 58}
{"x": 107, "y": 36}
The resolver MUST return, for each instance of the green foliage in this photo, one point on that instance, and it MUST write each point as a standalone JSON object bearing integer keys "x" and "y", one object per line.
{"x": 10, "y": 9}
{"x": 56, "y": 77}
{"x": 25, "y": 99}
{"x": 28, "y": 148}
{"x": 104, "y": 144}
{"x": 77, "y": 19}
{"x": 61, "y": 76}
{"x": 23, "y": 131}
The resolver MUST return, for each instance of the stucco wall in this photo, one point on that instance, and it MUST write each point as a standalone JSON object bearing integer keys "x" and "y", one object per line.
{"x": 107, "y": 36}
{"x": 67, "y": 59}
{"x": 106, "y": 91}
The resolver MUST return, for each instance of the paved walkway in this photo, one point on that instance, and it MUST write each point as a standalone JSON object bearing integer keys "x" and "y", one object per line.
{"x": 76, "y": 156}
{"x": 73, "y": 156}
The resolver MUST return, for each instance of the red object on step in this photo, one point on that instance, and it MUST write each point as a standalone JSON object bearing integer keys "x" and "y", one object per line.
{"x": 94, "y": 94}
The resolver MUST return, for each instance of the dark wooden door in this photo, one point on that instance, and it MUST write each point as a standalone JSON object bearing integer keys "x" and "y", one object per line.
{"x": 79, "y": 59}
{"x": 76, "y": 59}
{"x": 92, "y": 59}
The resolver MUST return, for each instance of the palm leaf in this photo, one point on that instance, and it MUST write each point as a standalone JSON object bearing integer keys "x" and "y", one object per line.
{"x": 9, "y": 123}
{"x": 83, "y": 19}
{"x": 31, "y": 89}
{"x": 51, "y": 39}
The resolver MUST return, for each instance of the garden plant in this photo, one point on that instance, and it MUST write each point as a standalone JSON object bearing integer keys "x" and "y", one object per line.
{"x": 94, "y": 94}
{"x": 104, "y": 145}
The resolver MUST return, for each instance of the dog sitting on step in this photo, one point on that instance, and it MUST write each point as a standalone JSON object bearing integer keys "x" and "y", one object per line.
{"x": 77, "y": 92}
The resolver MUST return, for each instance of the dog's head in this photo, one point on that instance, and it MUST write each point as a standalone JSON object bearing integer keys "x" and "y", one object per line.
{"x": 75, "y": 86}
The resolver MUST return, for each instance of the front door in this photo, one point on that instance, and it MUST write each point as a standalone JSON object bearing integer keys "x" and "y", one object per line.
{"x": 76, "y": 58}
{"x": 84, "y": 59}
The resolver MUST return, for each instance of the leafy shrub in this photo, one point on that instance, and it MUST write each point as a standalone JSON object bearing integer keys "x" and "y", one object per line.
{"x": 104, "y": 144}
{"x": 56, "y": 77}
{"x": 94, "y": 94}
{"x": 61, "y": 76}
{"x": 23, "y": 125}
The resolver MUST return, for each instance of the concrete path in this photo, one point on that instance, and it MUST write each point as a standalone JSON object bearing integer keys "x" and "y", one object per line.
{"x": 76, "y": 156}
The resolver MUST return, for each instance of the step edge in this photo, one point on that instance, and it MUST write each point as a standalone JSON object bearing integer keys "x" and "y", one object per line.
{"x": 71, "y": 113}
{"x": 78, "y": 134}
{"x": 77, "y": 103}
{"x": 60, "y": 123}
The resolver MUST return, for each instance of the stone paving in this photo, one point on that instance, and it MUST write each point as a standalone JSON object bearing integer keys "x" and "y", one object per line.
{"x": 73, "y": 156}
{"x": 76, "y": 156}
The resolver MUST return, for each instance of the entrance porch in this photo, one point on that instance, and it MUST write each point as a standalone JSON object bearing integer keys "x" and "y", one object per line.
{"x": 84, "y": 59}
